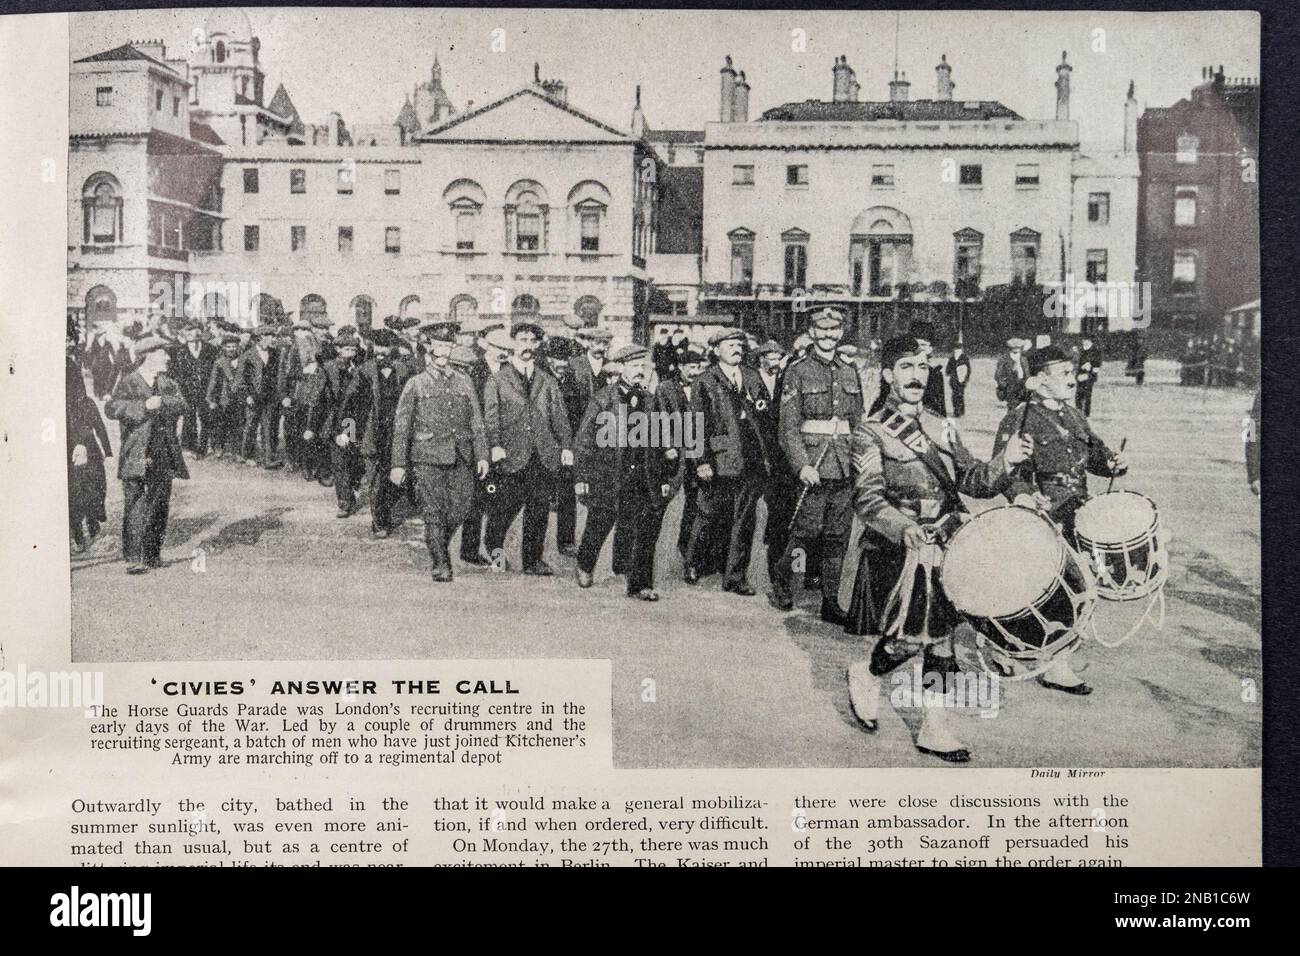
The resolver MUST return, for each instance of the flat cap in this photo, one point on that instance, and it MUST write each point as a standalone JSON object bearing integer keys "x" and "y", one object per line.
{"x": 770, "y": 347}
{"x": 384, "y": 338}
{"x": 599, "y": 334}
{"x": 150, "y": 343}
{"x": 718, "y": 336}
{"x": 441, "y": 331}
{"x": 560, "y": 347}
{"x": 630, "y": 353}
{"x": 347, "y": 340}
{"x": 497, "y": 338}
{"x": 463, "y": 356}
{"x": 692, "y": 357}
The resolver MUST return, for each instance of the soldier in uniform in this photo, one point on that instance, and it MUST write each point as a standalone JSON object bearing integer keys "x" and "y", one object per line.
{"x": 910, "y": 469}
{"x": 1065, "y": 450}
{"x": 530, "y": 441}
{"x": 614, "y": 481}
{"x": 375, "y": 390}
{"x": 330, "y": 417}
{"x": 438, "y": 434}
{"x": 147, "y": 404}
{"x": 733, "y": 466}
{"x": 1087, "y": 375}
{"x": 821, "y": 403}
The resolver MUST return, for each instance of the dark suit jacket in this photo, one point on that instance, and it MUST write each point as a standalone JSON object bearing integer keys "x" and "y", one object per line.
{"x": 1011, "y": 388}
{"x": 334, "y": 404}
{"x": 582, "y": 374}
{"x": 258, "y": 378}
{"x": 366, "y": 402}
{"x": 610, "y": 471}
{"x": 192, "y": 373}
{"x": 733, "y": 445}
{"x": 223, "y": 382}
{"x": 671, "y": 466}
{"x": 149, "y": 441}
{"x": 524, "y": 423}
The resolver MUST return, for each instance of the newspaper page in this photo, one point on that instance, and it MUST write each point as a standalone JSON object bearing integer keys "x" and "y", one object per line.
{"x": 585, "y": 438}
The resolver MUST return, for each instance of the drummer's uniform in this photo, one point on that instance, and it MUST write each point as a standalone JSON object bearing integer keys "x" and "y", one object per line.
{"x": 1066, "y": 451}
{"x": 908, "y": 469}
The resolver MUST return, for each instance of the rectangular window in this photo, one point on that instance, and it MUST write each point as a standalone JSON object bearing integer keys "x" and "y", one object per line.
{"x": 1027, "y": 174}
{"x": 345, "y": 239}
{"x": 176, "y": 106}
{"x": 742, "y": 262}
{"x": 392, "y": 239}
{"x": 796, "y": 265}
{"x": 882, "y": 176}
{"x": 252, "y": 238}
{"x": 1185, "y": 206}
{"x": 968, "y": 266}
{"x": 465, "y": 231}
{"x": 297, "y": 238}
{"x": 1024, "y": 263}
{"x": 1188, "y": 148}
{"x": 343, "y": 179}
{"x": 157, "y": 100}
{"x": 103, "y": 96}
{"x": 1096, "y": 267}
{"x": 1184, "y": 276}
{"x": 591, "y": 232}
{"x": 1099, "y": 208}
{"x": 972, "y": 174}
{"x": 392, "y": 182}
{"x": 528, "y": 232}
{"x": 796, "y": 175}
{"x": 742, "y": 175}
{"x": 297, "y": 181}
{"x": 250, "y": 180}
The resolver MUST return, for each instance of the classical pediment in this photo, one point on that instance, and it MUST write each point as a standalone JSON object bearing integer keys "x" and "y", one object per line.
{"x": 527, "y": 115}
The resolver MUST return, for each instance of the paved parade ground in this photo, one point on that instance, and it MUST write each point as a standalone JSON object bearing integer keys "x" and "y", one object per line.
{"x": 736, "y": 683}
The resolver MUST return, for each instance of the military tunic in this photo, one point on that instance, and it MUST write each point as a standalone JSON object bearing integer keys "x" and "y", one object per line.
{"x": 1066, "y": 451}
{"x": 821, "y": 404}
{"x": 438, "y": 433}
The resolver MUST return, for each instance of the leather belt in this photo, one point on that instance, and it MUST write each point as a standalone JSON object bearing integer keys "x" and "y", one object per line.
{"x": 825, "y": 426}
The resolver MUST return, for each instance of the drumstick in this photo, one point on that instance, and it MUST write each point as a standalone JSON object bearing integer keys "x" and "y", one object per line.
{"x": 1122, "y": 442}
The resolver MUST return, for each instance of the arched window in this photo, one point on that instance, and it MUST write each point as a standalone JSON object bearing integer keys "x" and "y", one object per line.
{"x": 525, "y": 307}
{"x": 101, "y": 305}
{"x": 588, "y": 309}
{"x": 267, "y": 309}
{"x": 463, "y": 308}
{"x": 312, "y": 307}
{"x": 101, "y": 206}
{"x": 589, "y": 201}
{"x": 465, "y": 200}
{"x": 527, "y": 217}
{"x": 410, "y": 306}
{"x": 363, "y": 311}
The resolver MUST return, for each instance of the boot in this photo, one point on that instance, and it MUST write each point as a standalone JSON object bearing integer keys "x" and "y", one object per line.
{"x": 864, "y": 694}
{"x": 1061, "y": 676}
{"x": 936, "y": 739}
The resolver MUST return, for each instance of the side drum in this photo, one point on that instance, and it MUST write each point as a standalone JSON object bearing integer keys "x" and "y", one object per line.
{"x": 1119, "y": 534}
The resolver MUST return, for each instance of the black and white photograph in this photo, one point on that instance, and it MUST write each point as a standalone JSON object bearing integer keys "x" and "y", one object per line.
{"x": 868, "y": 388}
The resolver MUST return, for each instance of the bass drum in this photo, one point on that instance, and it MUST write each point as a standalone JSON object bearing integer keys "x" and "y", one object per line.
{"x": 1012, "y": 577}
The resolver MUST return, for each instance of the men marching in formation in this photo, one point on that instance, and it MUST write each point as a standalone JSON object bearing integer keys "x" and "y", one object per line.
{"x": 475, "y": 422}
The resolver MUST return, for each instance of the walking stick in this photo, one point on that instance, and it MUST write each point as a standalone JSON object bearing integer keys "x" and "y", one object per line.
{"x": 798, "y": 503}
{"x": 1110, "y": 484}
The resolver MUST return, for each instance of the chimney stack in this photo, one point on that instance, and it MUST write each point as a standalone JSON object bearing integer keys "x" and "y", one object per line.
{"x": 898, "y": 87}
{"x": 1130, "y": 120}
{"x": 1063, "y": 71}
{"x": 638, "y": 117}
{"x": 840, "y": 74}
{"x": 740, "y": 105}
{"x": 727, "y": 100}
{"x": 943, "y": 76}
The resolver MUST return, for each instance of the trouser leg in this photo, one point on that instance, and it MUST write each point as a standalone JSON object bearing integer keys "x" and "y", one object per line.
{"x": 537, "y": 512}
{"x": 381, "y": 492}
{"x": 471, "y": 530}
{"x": 600, "y": 521}
{"x": 835, "y": 519}
{"x": 133, "y": 519}
{"x": 158, "y": 498}
{"x": 744, "y": 510}
{"x": 714, "y": 496}
{"x": 566, "y": 510}
{"x": 342, "y": 464}
{"x": 502, "y": 509}
{"x": 690, "y": 508}
{"x": 641, "y": 574}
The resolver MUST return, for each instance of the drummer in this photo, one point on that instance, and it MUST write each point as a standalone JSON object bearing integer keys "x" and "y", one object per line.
{"x": 910, "y": 469}
{"x": 1065, "y": 451}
